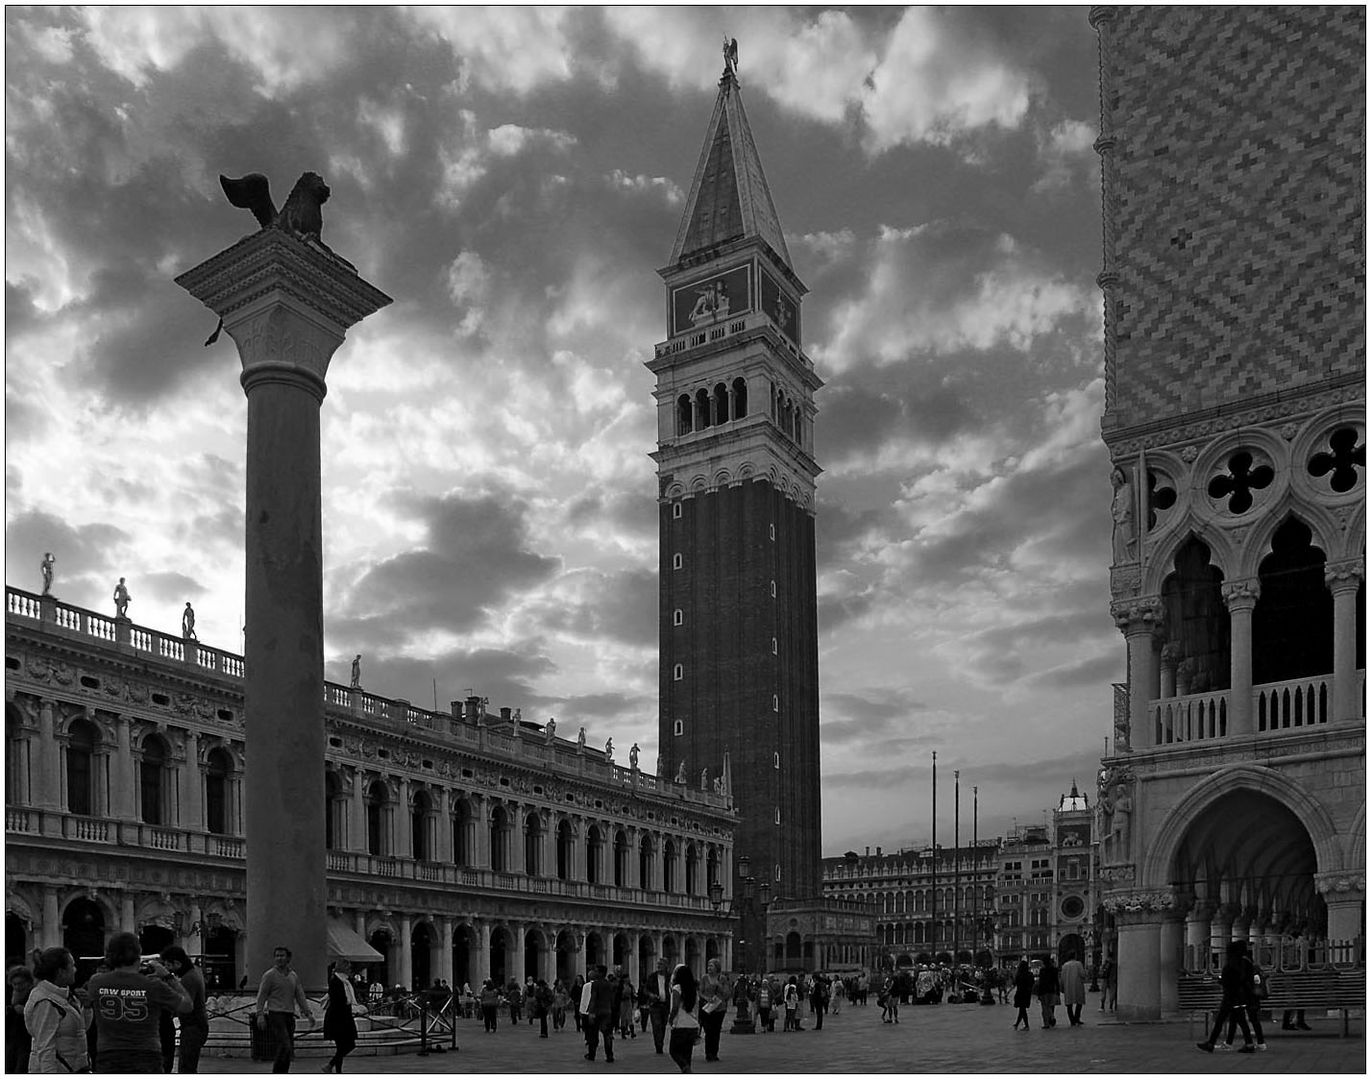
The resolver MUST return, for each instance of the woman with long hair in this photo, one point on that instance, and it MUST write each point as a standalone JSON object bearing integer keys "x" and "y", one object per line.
{"x": 339, "y": 1024}
{"x": 1024, "y": 993}
{"x": 681, "y": 1018}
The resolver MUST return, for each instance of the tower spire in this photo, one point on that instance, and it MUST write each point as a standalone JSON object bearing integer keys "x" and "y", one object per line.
{"x": 729, "y": 197}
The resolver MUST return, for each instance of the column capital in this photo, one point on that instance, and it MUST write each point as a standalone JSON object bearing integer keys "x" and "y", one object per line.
{"x": 1141, "y": 905}
{"x": 1241, "y": 594}
{"x": 1345, "y": 575}
{"x": 1138, "y": 614}
{"x": 1342, "y": 884}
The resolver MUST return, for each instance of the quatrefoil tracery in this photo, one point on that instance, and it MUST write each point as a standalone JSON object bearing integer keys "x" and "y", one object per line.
{"x": 1342, "y": 465}
{"x": 1240, "y": 482}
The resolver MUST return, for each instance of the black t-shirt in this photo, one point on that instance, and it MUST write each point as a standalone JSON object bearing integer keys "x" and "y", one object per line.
{"x": 127, "y": 1007}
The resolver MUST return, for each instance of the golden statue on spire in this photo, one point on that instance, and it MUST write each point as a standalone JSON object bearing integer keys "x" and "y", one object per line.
{"x": 730, "y": 56}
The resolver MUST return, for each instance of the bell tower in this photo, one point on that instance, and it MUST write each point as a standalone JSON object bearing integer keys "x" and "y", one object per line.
{"x": 739, "y": 677}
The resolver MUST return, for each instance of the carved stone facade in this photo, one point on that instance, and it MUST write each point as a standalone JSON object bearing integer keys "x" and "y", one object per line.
{"x": 459, "y": 846}
{"x": 1235, "y": 381}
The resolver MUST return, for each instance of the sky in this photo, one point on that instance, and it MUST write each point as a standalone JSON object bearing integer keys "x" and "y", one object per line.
{"x": 514, "y": 177}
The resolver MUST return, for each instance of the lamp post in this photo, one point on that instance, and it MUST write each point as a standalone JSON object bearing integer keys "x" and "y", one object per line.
{"x": 751, "y": 899}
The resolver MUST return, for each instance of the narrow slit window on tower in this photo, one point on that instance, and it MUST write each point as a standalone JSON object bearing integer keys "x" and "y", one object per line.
{"x": 776, "y": 815}
{"x": 676, "y": 509}
{"x": 772, "y": 530}
{"x": 776, "y": 703}
{"x": 678, "y": 672}
{"x": 676, "y": 562}
{"x": 774, "y": 587}
{"x": 678, "y": 727}
{"x": 774, "y": 646}
{"x": 677, "y": 617}
{"x": 776, "y": 757}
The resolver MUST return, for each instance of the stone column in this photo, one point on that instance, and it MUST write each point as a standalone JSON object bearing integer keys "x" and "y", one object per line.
{"x": 444, "y": 946}
{"x": 1139, "y": 919}
{"x": 1170, "y": 936}
{"x": 517, "y": 932}
{"x": 1139, "y": 619}
{"x": 1197, "y": 936}
{"x": 126, "y": 911}
{"x": 121, "y": 784}
{"x": 192, "y": 809}
{"x": 1169, "y": 656}
{"x": 402, "y": 836}
{"x": 287, "y": 304}
{"x": 49, "y": 795}
{"x": 482, "y": 824}
{"x": 406, "y": 964}
{"x": 195, "y": 936}
{"x": 1345, "y": 894}
{"x": 1241, "y": 597}
{"x": 357, "y": 817}
{"x": 1343, "y": 579}
{"x": 482, "y": 959}
{"x": 51, "y": 935}
{"x": 443, "y": 830}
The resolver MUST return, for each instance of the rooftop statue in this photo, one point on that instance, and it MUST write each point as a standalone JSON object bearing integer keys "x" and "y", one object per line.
{"x": 301, "y": 216}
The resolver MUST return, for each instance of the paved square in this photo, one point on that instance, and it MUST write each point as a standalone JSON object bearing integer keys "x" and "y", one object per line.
{"x": 928, "y": 1039}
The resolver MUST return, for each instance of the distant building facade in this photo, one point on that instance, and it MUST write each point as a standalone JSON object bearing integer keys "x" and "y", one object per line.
{"x": 1048, "y": 888}
{"x": 459, "y": 846}
{"x": 1233, "y": 802}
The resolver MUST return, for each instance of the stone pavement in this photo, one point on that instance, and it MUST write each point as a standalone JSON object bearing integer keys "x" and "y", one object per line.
{"x": 928, "y": 1039}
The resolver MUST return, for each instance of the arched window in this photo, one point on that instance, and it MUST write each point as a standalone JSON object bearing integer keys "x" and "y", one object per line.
{"x": 420, "y": 811}
{"x": 533, "y": 845}
{"x": 152, "y": 774}
{"x": 218, "y": 767}
{"x": 692, "y": 869}
{"x": 500, "y": 828}
{"x": 621, "y": 859}
{"x": 711, "y": 867}
{"x": 683, "y": 414}
{"x": 377, "y": 798}
{"x": 720, "y": 403}
{"x": 81, "y": 742}
{"x": 462, "y": 834}
{"x": 645, "y": 862}
{"x": 740, "y": 402}
{"x": 669, "y": 867}
{"x": 564, "y": 849}
{"x": 594, "y": 845}
{"x": 702, "y": 409}
{"x": 330, "y": 799}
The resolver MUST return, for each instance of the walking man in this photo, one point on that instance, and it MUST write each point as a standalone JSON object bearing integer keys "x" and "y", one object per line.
{"x": 1072, "y": 977}
{"x": 278, "y": 996}
{"x": 658, "y": 991}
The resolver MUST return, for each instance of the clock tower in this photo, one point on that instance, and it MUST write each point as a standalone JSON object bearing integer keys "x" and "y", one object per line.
{"x": 739, "y": 677}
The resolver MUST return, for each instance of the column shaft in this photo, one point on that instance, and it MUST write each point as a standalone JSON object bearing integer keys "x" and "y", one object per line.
{"x": 1343, "y": 583}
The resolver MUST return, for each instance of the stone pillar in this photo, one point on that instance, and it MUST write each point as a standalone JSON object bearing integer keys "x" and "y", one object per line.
{"x": 1345, "y": 894}
{"x": 402, "y": 836}
{"x": 482, "y": 824}
{"x": 517, "y": 932}
{"x": 1139, "y": 958}
{"x": 49, "y": 795}
{"x": 1139, "y": 619}
{"x": 287, "y": 304}
{"x": 406, "y": 964}
{"x": 1170, "y": 937}
{"x": 1168, "y": 657}
{"x": 1241, "y": 597}
{"x": 1197, "y": 936}
{"x": 121, "y": 785}
{"x": 51, "y": 932}
{"x": 443, "y": 831}
{"x": 192, "y": 808}
{"x": 357, "y": 817}
{"x": 126, "y": 912}
{"x": 1343, "y": 579}
{"x": 195, "y": 935}
{"x": 482, "y": 960}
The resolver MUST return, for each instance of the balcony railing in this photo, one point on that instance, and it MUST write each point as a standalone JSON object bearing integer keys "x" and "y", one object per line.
{"x": 1277, "y": 707}
{"x": 708, "y": 335}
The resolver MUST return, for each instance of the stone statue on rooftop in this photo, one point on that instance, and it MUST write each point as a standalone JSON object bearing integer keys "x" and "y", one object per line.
{"x": 357, "y": 671}
{"x": 705, "y": 779}
{"x": 610, "y": 748}
{"x": 633, "y": 756}
{"x": 550, "y": 730}
{"x": 121, "y": 600}
{"x": 731, "y": 54}
{"x": 188, "y": 623}
{"x": 1122, "y": 514}
{"x": 581, "y": 739}
{"x": 48, "y": 563}
{"x": 681, "y": 773}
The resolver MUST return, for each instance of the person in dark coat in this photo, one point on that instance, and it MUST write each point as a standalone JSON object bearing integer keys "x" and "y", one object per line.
{"x": 1049, "y": 988}
{"x": 339, "y": 1024}
{"x": 1234, "y": 979}
{"x": 599, "y": 1022}
{"x": 1024, "y": 993}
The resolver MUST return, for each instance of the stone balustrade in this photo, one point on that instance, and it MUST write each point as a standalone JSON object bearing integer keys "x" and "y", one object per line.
{"x": 693, "y": 339}
{"x": 1277, "y": 707}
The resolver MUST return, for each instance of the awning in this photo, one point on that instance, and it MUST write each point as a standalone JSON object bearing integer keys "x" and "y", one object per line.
{"x": 345, "y": 943}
